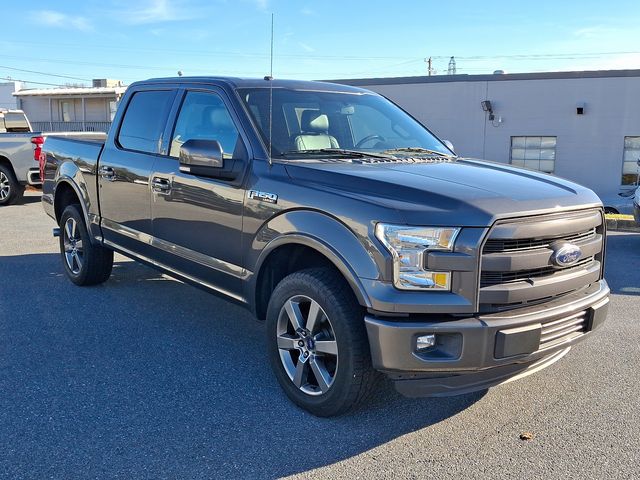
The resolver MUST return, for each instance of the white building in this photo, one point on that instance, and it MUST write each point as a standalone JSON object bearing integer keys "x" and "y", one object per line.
{"x": 7, "y": 89}
{"x": 584, "y": 126}
{"x": 72, "y": 108}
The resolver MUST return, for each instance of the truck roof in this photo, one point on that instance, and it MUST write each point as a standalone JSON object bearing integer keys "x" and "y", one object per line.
{"x": 235, "y": 82}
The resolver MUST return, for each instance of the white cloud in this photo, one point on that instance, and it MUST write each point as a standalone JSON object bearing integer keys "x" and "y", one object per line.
{"x": 53, "y": 18}
{"x": 306, "y": 47}
{"x": 593, "y": 32}
{"x": 262, "y": 4}
{"x": 155, "y": 11}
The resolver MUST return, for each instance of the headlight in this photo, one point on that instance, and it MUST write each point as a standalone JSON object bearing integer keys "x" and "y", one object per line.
{"x": 407, "y": 246}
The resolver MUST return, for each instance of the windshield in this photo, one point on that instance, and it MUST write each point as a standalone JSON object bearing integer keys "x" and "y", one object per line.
{"x": 336, "y": 123}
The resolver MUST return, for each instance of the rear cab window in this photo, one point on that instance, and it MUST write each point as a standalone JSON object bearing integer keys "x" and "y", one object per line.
{"x": 144, "y": 120}
{"x": 14, "y": 122}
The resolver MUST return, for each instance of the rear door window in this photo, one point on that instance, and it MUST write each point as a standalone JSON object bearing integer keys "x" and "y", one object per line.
{"x": 144, "y": 121}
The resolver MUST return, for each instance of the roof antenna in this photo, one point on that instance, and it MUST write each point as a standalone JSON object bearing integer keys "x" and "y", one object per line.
{"x": 269, "y": 78}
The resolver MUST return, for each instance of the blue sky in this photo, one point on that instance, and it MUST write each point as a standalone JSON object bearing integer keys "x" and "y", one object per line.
{"x": 137, "y": 39}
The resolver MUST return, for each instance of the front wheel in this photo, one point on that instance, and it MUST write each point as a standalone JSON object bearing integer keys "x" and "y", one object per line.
{"x": 318, "y": 344}
{"x": 84, "y": 263}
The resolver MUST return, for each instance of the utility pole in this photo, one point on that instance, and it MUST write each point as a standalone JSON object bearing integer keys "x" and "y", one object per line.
{"x": 430, "y": 70}
{"x": 452, "y": 67}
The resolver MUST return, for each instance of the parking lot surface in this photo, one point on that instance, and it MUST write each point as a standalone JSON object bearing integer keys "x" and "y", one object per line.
{"x": 145, "y": 377}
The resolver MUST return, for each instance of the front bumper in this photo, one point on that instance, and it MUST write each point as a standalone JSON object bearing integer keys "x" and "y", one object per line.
{"x": 478, "y": 352}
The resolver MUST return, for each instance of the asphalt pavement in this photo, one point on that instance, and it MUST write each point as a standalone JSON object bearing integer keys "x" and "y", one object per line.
{"x": 146, "y": 377}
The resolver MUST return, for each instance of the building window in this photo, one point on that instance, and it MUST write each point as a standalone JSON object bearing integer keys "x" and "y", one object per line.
{"x": 630, "y": 166}
{"x": 536, "y": 153}
{"x": 65, "y": 109}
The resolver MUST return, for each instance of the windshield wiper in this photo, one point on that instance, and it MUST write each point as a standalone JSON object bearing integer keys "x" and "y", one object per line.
{"x": 416, "y": 150}
{"x": 338, "y": 151}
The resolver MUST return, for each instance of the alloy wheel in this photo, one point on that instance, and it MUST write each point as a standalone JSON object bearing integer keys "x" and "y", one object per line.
{"x": 73, "y": 251}
{"x": 307, "y": 345}
{"x": 5, "y": 186}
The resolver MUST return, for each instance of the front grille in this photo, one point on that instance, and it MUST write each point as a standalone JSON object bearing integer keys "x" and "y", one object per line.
{"x": 562, "y": 330}
{"x": 495, "y": 246}
{"x": 488, "y": 279}
{"x": 517, "y": 266}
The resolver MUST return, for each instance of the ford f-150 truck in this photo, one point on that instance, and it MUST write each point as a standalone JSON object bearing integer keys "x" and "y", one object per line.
{"x": 364, "y": 242}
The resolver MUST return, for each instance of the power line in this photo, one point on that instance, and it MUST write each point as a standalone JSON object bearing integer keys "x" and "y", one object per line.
{"x": 34, "y": 82}
{"x": 219, "y": 53}
{"x": 324, "y": 73}
{"x": 173, "y": 68}
{"x": 543, "y": 56}
{"x": 44, "y": 73}
{"x": 320, "y": 56}
{"x": 97, "y": 64}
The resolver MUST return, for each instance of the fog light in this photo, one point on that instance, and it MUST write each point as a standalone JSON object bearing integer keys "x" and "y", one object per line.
{"x": 424, "y": 342}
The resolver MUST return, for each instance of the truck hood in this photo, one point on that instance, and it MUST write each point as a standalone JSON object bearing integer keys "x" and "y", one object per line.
{"x": 465, "y": 192}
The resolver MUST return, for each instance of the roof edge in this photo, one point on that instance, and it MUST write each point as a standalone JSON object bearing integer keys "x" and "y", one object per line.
{"x": 66, "y": 91}
{"x": 489, "y": 77}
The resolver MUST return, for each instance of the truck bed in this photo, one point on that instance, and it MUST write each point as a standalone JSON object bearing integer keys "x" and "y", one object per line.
{"x": 64, "y": 150}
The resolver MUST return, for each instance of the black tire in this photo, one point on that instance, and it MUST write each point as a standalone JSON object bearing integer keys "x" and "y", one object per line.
{"x": 10, "y": 189}
{"x": 342, "y": 322}
{"x": 84, "y": 263}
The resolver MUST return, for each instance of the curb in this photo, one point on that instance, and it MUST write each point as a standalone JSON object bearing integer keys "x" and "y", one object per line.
{"x": 622, "y": 225}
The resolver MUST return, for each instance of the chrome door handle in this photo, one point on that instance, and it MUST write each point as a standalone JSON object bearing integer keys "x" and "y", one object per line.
{"x": 107, "y": 173}
{"x": 161, "y": 185}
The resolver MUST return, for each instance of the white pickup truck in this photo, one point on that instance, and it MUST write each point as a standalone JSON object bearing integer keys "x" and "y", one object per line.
{"x": 18, "y": 166}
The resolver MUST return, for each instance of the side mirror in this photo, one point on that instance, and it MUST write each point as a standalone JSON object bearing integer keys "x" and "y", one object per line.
{"x": 201, "y": 157}
{"x": 449, "y": 145}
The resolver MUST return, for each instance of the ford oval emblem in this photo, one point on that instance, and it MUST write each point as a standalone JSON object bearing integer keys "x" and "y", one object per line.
{"x": 566, "y": 254}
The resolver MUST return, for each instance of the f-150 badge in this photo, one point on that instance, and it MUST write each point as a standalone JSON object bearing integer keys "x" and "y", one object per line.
{"x": 263, "y": 196}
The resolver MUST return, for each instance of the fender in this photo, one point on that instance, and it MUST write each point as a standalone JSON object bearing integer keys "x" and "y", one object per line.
{"x": 69, "y": 173}
{"x": 323, "y": 233}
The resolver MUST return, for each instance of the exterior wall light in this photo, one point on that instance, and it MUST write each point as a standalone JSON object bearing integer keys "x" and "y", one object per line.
{"x": 487, "y": 107}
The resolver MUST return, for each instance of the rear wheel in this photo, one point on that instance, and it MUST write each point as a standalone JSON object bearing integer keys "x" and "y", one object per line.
{"x": 10, "y": 189}
{"x": 318, "y": 344}
{"x": 84, "y": 263}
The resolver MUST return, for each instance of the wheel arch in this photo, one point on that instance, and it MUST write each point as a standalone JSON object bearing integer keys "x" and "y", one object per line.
{"x": 307, "y": 239}
{"x": 65, "y": 193}
{"x": 7, "y": 163}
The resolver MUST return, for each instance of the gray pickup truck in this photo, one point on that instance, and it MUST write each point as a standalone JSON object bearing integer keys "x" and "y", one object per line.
{"x": 368, "y": 247}
{"x": 17, "y": 165}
